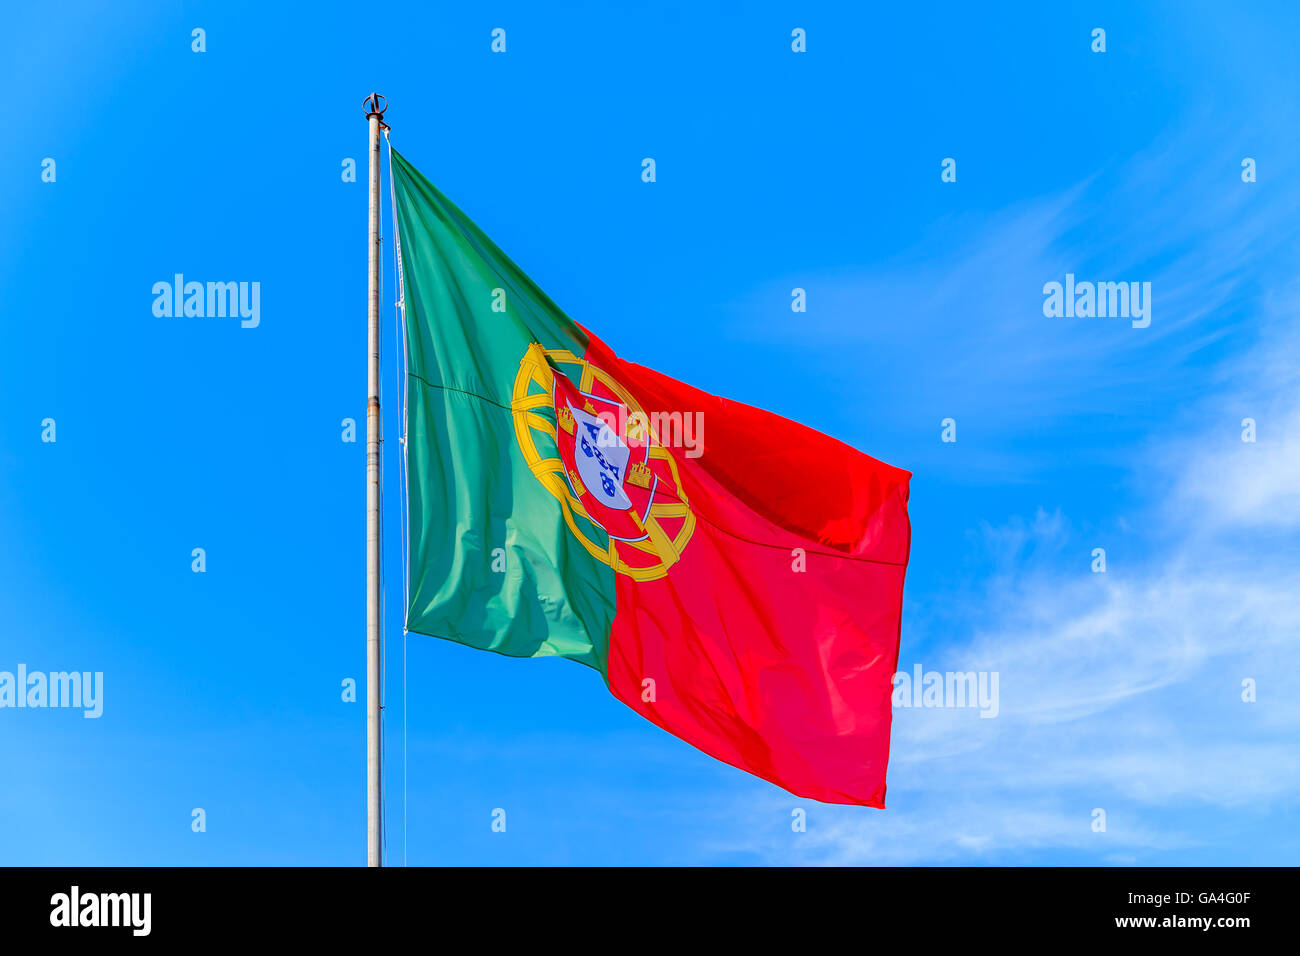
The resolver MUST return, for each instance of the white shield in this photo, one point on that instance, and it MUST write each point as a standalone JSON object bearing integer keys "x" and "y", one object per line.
{"x": 601, "y": 457}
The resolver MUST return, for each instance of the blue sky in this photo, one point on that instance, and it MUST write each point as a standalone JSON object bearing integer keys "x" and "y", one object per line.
{"x": 775, "y": 170}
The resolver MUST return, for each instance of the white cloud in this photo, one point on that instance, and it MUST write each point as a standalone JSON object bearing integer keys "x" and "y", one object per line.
{"x": 1119, "y": 690}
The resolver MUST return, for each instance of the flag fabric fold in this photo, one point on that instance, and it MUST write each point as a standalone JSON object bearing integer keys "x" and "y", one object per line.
{"x": 734, "y": 576}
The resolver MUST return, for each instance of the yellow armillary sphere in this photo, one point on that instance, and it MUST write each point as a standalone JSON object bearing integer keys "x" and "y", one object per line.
{"x": 591, "y": 444}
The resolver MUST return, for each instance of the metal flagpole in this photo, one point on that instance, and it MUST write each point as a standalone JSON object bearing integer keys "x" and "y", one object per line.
{"x": 375, "y": 106}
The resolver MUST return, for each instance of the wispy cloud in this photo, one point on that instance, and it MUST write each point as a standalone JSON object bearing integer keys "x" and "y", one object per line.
{"x": 957, "y": 318}
{"x": 1120, "y": 690}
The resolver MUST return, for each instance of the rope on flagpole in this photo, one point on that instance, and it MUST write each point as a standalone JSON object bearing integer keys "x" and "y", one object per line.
{"x": 400, "y": 320}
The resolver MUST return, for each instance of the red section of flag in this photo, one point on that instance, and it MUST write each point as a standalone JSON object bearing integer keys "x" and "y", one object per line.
{"x": 785, "y": 673}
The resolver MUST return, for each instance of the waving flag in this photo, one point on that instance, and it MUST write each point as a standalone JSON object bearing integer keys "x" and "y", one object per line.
{"x": 735, "y": 577}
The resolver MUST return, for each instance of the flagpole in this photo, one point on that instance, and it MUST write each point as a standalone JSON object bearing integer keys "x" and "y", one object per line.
{"x": 375, "y": 106}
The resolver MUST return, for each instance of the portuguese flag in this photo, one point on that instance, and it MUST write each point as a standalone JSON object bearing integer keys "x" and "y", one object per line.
{"x": 735, "y": 577}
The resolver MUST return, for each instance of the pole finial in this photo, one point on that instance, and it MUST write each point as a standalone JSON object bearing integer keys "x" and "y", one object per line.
{"x": 374, "y": 105}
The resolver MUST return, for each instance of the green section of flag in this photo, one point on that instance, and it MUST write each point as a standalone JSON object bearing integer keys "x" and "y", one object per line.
{"x": 470, "y": 489}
